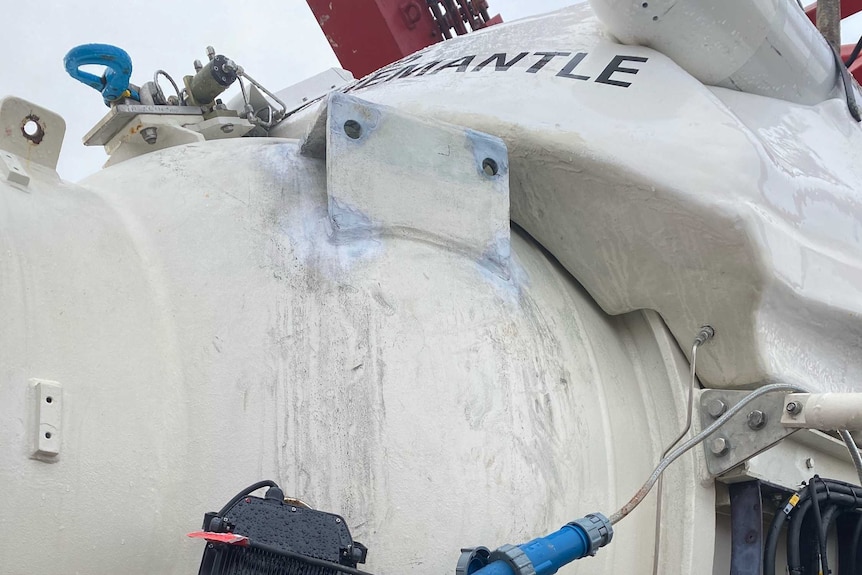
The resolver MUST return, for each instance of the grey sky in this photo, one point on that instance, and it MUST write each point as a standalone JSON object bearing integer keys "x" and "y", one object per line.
{"x": 278, "y": 42}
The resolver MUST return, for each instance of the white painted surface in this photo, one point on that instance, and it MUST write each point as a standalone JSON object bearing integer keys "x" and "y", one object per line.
{"x": 765, "y": 47}
{"x": 208, "y": 333}
{"x": 706, "y": 204}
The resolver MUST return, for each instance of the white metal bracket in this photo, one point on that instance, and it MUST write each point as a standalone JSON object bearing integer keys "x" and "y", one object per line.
{"x": 32, "y": 133}
{"x": 12, "y": 170}
{"x": 46, "y": 399}
{"x": 389, "y": 173}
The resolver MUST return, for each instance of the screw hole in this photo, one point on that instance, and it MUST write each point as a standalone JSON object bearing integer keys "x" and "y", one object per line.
{"x": 47, "y": 435}
{"x": 655, "y": 18}
{"x": 645, "y": 5}
{"x": 490, "y": 167}
{"x": 353, "y": 129}
{"x": 32, "y": 129}
{"x": 49, "y": 399}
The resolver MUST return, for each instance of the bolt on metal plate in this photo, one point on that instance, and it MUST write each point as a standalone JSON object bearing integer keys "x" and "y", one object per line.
{"x": 749, "y": 432}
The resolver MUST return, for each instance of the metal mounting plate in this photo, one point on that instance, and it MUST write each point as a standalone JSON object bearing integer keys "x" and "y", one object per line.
{"x": 119, "y": 116}
{"x": 743, "y": 442}
{"x": 389, "y": 173}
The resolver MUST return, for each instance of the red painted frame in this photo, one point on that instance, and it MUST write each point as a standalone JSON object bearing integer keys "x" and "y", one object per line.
{"x": 848, "y": 8}
{"x": 367, "y": 35}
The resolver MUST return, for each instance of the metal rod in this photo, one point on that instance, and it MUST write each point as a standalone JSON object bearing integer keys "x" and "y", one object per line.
{"x": 453, "y": 14}
{"x": 829, "y": 22}
{"x": 438, "y": 16}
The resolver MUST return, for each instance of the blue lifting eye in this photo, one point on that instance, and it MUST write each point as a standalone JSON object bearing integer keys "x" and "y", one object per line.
{"x": 114, "y": 83}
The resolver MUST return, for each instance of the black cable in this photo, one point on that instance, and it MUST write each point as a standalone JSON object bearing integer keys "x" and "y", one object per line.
{"x": 854, "y": 54}
{"x": 839, "y": 497}
{"x": 854, "y": 549}
{"x": 250, "y": 489}
{"x": 849, "y": 94}
{"x": 310, "y": 560}
{"x": 818, "y": 528}
{"x": 770, "y": 546}
{"x": 794, "y": 561}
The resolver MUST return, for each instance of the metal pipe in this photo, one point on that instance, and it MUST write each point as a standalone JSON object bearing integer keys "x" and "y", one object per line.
{"x": 829, "y": 22}
{"x": 825, "y": 411}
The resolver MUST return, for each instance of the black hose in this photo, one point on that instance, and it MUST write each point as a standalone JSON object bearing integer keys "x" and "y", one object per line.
{"x": 847, "y": 82}
{"x": 854, "y": 54}
{"x": 838, "y": 496}
{"x": 794, "y": 560}
{"x": 854, "y": 549}
{"x": 250, "y": 489}
{"x": 820, "y": 531}
{"x": 770, "y": 547}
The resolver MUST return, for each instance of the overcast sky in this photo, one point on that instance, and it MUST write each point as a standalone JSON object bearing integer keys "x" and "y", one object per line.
{"x": 277, "y": 41}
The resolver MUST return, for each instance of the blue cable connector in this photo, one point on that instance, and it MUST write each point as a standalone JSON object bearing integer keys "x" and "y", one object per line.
{"x": 542, "y": 556}
{"x": 114, "y": 83}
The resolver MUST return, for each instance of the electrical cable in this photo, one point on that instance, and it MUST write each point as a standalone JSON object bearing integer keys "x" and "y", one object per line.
{"x": 821, "y": 536}
{"x": 706, "y": 333}
{"x": 770, "y": 545}
{"x": 854, "y": 54}
{"x": 250, "y": 489}
{"x": 682, "y": 449}
{"x": 854, "y": 452}
{"x": 794, "y": 556}
{"x": 847, "y": 82}
{"x": 854, "y": 549}
{"x": 836, "y": 493}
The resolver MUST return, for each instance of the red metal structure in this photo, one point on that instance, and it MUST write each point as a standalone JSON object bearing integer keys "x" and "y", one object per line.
{"x": 369, "y": 34}
{"x": 848, "y": 8}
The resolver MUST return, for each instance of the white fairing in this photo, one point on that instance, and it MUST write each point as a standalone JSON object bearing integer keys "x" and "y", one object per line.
{"x": 766, "y": 47}
{"x": 209, "y": 328}
{"x": 709, "y": 205}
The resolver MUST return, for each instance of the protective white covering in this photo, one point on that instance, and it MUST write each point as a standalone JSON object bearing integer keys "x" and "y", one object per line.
{"x": 766, "y": 47}
{"x": 705, "y": 204}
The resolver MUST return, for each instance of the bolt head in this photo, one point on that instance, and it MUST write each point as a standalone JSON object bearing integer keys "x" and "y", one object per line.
{"x": 719, "y": 446}
{"x": 716, "y": 408}
{"x": 227, "y": 128}
{"x": 793, "y": 408}
{"x": 809, "y": 463}
{"x": 756, "y": 419}
{"x": 150, "y": 135}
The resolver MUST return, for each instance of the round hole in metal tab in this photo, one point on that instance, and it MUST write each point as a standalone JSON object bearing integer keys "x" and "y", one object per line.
{"x": 47, "y": 435}
{"x": 31, "y": 128}
{"x": 490, "y": 167}
{"x": 645, "y": 5}
{"x": 353, "y": 129}
{"x": 49, "y": 399}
